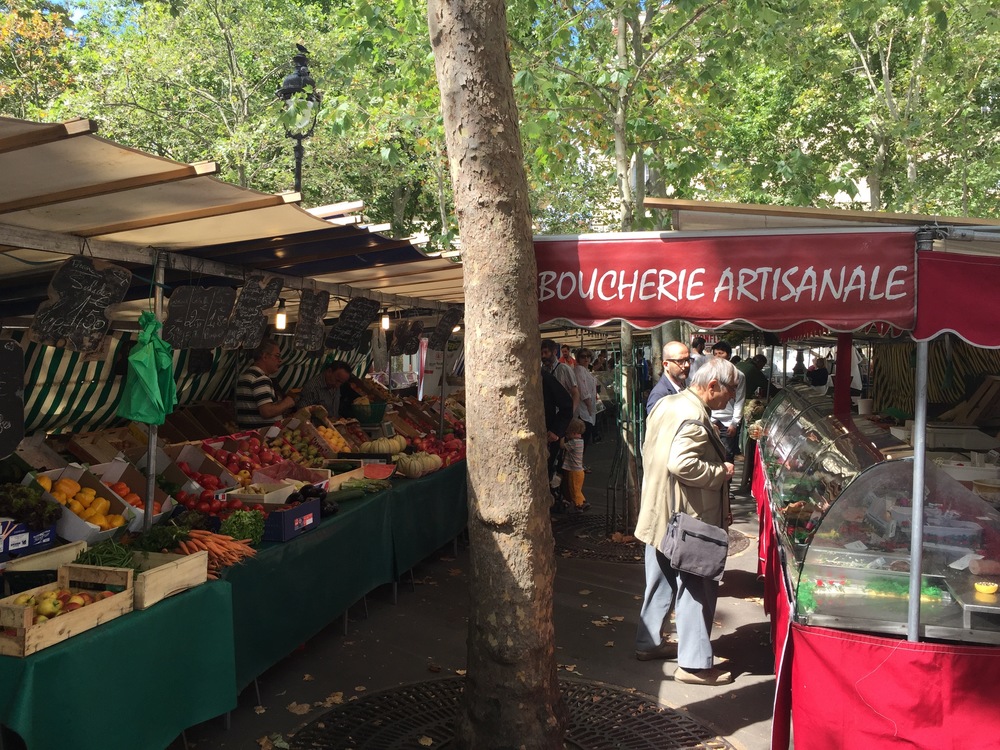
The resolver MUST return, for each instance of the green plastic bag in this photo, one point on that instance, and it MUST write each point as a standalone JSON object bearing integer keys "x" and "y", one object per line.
{"x": 150, "y": 393}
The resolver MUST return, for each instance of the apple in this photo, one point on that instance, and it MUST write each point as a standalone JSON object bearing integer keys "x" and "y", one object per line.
{"x": 25, "y": 600}
{"x": 49, "y": 607}
{"x": 87, "y": 597}
{"x": 222, "y": 456}
{"x": 185, "y": 467}
{"x": 77, "y": 599}
{"x": 254, "y": 444}
{"x": 50, "y": 594}
{"x": 243, "y": 446}
{"x": 233, "y": 467}
{"x": 105, "y": 594}
{"x": 40, "y": 619}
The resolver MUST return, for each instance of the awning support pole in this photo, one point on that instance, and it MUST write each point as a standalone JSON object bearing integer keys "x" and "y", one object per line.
{"x": 147, "y": 519}
{"x": 842, "y": 381}
{"x": 917, "y": 502}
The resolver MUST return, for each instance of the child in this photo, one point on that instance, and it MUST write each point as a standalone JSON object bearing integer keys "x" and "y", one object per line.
{"x": 572, "y": 465}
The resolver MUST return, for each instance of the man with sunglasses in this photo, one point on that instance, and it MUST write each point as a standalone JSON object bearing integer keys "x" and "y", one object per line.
{"x": 676, "y": 366}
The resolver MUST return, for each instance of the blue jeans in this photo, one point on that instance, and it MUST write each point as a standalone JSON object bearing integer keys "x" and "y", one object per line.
{"x": 692, "y": 596}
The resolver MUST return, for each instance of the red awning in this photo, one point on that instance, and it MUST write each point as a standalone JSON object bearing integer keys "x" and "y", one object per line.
{"x": 958, "y": 294}
{"x": 839, "y": 279}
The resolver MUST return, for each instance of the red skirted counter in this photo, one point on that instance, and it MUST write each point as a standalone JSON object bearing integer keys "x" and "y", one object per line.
{"x": 849, "y": 690}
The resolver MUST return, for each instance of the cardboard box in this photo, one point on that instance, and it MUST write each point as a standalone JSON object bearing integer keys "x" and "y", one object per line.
{"x": 283, "y": 525}
{"x": 165, "y": 467}
{"x": 121, "y": 470}
{"x": 17, "y": 540}
{"x": 308, "y": 432}
{"x": 70, "y": 526}
{"x": 202, "y": 463}
{"x": 39, "y": 568}
{"x": 318, "y": 477}
{"x": 21, "y": 636}
{"x": 163, "y": 574}
{"x": 272, "y": 494}
{"x": 401, "y": 426}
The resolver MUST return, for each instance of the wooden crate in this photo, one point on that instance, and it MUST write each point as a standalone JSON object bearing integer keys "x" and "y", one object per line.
{"x": 21, "y": 636}
{"x": 163, "y": 574}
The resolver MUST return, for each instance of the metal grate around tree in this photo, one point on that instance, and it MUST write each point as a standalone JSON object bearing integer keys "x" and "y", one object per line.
{"x": 423, "y": 715}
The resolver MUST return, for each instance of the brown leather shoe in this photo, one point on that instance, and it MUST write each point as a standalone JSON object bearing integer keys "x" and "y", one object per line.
{"x": 710, "y": 676}
{"x": 666, "y": 650}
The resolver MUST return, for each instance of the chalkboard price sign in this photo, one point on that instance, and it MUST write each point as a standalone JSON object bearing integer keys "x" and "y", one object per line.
{"x": 198, "y": 317}
{"x": 309, "y": 330}
{"x": 443, "y": 330}
{"x": 412, "y": 343}
{"x": 11, "y": 397}
{"x": 75, "y": 317}
{"x": 348, "y": 332}
{"x": 249, "y": 323}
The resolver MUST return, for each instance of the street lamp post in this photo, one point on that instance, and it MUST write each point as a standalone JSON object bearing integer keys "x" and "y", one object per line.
{"x": 300, "y": 82}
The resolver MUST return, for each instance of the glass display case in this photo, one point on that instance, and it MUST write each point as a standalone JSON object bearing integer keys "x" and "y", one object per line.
{"x": 842, "y": 514}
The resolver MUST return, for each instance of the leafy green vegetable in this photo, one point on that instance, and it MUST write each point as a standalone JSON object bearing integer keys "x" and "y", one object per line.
{"x": 244, "y": 524}
{"x": 25, "y": 505}
{"x": 164, "y": 536}
{"x": 368, "y": 485}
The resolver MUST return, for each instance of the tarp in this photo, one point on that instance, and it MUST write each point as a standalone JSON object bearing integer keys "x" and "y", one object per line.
{"x": 840, "y": 279}
{"x": 957, "y": 294}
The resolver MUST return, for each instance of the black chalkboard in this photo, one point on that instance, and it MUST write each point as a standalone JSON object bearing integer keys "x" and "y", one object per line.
{"x": 348, "y": 332}
{"x": 412, "y": 343}
{"x": 75, "y": 316}
{"x": 399, "y": 337}
{"x": 198, "y": 317}
{"x": 11, "y": 397}
{"x": 309, "y": 331}
{"x": 443, "y": 330}
{"x": 248, "y": 323}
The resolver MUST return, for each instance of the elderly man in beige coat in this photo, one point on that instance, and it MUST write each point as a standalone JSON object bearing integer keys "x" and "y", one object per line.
{"x": 684, "y": 469}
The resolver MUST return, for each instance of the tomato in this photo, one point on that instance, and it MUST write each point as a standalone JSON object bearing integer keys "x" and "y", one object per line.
{"x": 181, "y": 497}
{"x": 203, "y": 507}
{"x": 190, "y": 502}
{"x": 235, "y": 504}
{"x": 206, "y": 496}
{"x": 259, "y": 507}
{"x": 216, "y": 505}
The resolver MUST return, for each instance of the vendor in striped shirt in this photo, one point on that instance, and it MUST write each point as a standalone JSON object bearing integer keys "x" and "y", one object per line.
{"x": 256, "y": 403}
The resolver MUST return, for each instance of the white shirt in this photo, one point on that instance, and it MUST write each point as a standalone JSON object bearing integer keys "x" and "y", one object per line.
{"x": 697, "y": 360}
{"x": 587, "y": 410}
{"x": 732, "y": 413}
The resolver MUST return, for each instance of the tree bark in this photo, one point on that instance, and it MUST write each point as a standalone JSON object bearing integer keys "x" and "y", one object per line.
{"x": 511, "y": 691}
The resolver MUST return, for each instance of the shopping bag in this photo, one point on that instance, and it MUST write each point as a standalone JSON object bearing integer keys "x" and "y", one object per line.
{"x": 695, "y": 547}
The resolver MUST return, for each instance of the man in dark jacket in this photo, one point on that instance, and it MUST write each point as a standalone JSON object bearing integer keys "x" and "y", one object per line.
{"x": 676, "y": 365}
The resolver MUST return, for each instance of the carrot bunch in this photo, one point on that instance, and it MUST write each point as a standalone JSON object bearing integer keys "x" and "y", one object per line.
{"x": 222, "y": 549}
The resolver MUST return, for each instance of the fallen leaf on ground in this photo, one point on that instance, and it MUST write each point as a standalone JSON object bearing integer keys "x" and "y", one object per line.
{"x": 600, "y": 623}
{"x": 426, "y": 741}
{"x": 617, "y": 618}
{"x": 299, "y": 708}
{"x": 265, "y": 743}
{"x": 359, "y": 688}
{"x": 637, "y": 598}
{"x": 454, "y": 571}
{"x": 567, "y": 667}
{"x": 583, "y": 605}
{"x": 460, "y": 672}
{"x": 584, "y": 592}
{"x": 610, "y": 644}
{"x": 307, "y": 678}
{"x": 259, "y": 710}
{"x": 755, "y": 600}
{"x": 333, "y": 699}
{"x": 433, "y": 667}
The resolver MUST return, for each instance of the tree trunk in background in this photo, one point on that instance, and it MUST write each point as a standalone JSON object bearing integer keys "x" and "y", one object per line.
{"x": 656, "y": 352}
{"x": 511, "y": 693}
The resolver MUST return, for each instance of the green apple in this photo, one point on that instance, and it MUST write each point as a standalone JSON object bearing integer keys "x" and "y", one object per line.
{"x": 25, "y": 600}
{"x": 49, "y": 607}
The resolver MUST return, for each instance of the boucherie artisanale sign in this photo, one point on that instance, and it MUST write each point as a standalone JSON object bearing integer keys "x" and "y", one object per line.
{"x": 841, "y": 279}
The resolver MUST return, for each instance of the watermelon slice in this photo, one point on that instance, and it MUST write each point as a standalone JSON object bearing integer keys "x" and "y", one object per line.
{"x": 379, "y": 471}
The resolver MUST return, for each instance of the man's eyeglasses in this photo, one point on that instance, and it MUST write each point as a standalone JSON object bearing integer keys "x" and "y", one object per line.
{"x": 681, "y": 362}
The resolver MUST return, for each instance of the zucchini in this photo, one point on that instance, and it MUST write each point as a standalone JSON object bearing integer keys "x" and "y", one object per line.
{"x": 340, "y": 496}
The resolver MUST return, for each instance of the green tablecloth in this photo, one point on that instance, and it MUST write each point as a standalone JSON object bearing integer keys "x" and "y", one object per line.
{"x": 292, "y": 590}
{"x": 427, "y": 513}
{"x": 94, "y": 691}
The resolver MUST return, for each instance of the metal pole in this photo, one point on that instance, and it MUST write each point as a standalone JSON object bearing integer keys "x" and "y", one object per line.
{"x": 917, "y": 503}
{"x": 444, "y": 360}
{"x": 147, "y": 520}
{"x": 300, "y": 153}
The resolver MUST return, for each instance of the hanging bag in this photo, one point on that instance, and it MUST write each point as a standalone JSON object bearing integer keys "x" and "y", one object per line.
{"x": 695, "y": 547}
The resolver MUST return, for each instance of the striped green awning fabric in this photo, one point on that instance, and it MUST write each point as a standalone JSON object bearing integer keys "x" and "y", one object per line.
{"x": 66, "y": 392}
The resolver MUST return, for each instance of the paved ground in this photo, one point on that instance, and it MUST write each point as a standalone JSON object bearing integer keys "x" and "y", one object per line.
{"x": 422, "y": 637}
